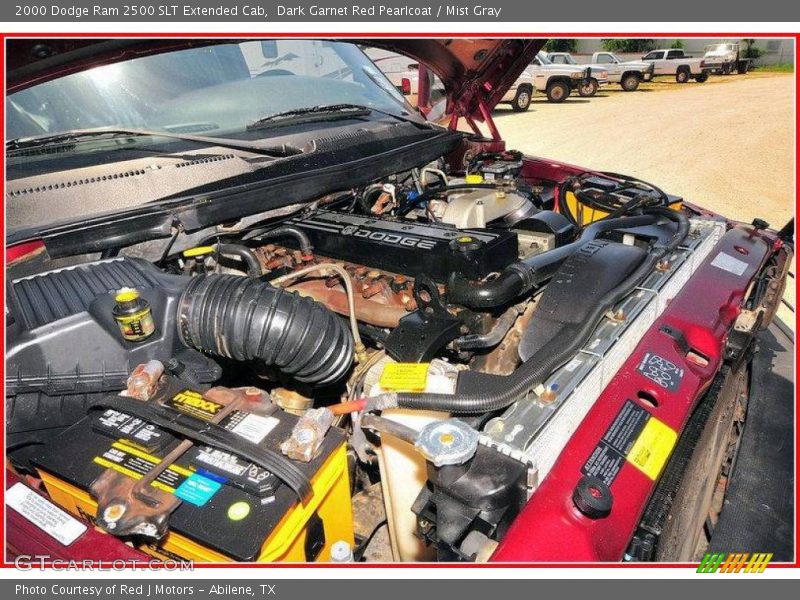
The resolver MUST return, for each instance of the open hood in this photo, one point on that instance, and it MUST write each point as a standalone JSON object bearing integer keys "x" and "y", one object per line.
{"x": 475, "y": 72}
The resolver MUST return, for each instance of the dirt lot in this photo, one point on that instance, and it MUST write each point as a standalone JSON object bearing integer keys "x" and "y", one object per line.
{"x": 727, "y": 144}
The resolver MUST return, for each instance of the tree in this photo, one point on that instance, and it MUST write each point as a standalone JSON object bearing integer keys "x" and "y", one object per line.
{"x": 561, "y": 45}
{"x": 751, "y": 50}
{"x": 628, "y": 45}
{"x": 677, "y": 45}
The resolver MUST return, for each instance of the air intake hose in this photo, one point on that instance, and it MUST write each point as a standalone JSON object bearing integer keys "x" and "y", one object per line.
{"x": 524, "y": 275}
{"x": 494, "y": 392}
{"x": 247, "y": 319}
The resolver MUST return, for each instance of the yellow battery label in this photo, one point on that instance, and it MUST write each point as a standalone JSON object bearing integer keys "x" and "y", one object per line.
{"x": 193, "y": 403}
{"x": 134, "y": 463}
{"x": 652, "y": 448}
{"x": 405, "y": 377}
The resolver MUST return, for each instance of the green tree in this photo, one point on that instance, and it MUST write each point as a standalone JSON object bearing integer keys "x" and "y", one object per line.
{"x": 677, "y": 45}
{"x": 628, "y": 45}
{"x": 751, "y": 50}
{"x": 561, "y": 45}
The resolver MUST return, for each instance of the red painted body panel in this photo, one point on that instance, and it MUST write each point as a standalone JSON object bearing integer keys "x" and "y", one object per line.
{"x": 550, "y": 528}
{"x": 25, "y": 539}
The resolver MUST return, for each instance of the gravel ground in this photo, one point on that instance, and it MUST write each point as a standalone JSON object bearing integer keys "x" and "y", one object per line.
{"x": 727, "y": 144}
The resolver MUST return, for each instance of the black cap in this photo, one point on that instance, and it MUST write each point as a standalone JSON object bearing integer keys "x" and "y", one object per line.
{"x": 593, "y": 497}
{"x": 760, "y": 224}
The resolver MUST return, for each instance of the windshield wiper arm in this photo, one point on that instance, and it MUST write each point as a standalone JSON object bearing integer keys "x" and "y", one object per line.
{"x": 80, "y": 135}
{"x": 325, "y": 112}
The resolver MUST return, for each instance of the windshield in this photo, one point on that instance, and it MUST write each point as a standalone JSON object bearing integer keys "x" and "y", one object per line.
{"x": 543, "y": 59}
{"x": 211, "y": 90}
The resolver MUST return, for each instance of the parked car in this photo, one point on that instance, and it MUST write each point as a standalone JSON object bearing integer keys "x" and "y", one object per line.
{"x": 258, "y": 308}
{"x": 559, "y": 81}
{"x": 726, "y": 58}
{"x": 629, "y": 74}
{"x": 675, "y": 62}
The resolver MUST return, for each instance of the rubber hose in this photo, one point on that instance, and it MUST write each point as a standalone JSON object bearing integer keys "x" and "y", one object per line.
{"x": 289, "y": 231}
{"x": 499, "y": 392}
{"x": 246, "y": 319}
{"x": 494, "y": 336}
{"x": 524, "y": 275}
{"x": 245, "y": 254}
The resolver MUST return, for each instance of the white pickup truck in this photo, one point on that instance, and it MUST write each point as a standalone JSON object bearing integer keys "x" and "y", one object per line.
{"x": 629, "y": 74}
{"x": 725, "y": 58}
{"x": 559, "y": 81}
{"x": 673, "y": 61}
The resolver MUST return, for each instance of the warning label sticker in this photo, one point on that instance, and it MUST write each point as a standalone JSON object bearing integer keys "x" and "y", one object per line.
{"x": 44, "y": 514}
{"x": 652, "y": 448}
{"x": 404, "y": 377}
{"x": 661, "y": 371}
{"x": 729, "y": 263}
{"x": 635, "y": 436}
{"x": 251, "y": 427}
{"x": 121, "y": 425}
{"x": 135, "y": 464}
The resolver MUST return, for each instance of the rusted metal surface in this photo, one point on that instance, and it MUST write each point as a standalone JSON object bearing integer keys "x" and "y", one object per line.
{"x": 504, "y": 358}
{"x": 381, "y": 298}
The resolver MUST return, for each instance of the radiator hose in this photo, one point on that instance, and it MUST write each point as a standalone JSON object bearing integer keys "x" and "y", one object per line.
{"x": 498, "y": 392}
{"x": 246, "y": 319}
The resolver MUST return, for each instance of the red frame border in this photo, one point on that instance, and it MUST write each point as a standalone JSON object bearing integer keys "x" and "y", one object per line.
{"x": 344, "y": 35}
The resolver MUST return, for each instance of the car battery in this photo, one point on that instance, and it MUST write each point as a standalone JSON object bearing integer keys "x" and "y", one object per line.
{"x": 585, "y": 206}
{"x": 216, "y": 506}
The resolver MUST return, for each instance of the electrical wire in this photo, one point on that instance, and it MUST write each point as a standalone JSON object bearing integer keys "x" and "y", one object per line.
{"x": 358, "y": 553}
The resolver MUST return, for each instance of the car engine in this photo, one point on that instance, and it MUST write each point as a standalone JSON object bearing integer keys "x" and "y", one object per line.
{"x": 417, "y": 351}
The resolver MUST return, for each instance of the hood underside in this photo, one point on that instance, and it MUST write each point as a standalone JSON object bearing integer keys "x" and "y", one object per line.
{"x": 475, "y": 72}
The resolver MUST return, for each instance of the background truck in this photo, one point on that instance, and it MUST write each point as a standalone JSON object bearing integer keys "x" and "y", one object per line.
{"x": 725, "y": 59}
{"x": 675, "y": 62}
{"x": 629, "y": 74}
{"x": 557, "y": 81}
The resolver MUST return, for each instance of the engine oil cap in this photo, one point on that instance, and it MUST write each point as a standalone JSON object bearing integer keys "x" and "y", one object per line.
{"x": 465, "y": 243}
{"x": 593, "y": 497}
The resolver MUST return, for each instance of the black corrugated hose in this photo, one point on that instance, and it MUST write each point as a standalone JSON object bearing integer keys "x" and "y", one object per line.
{"x": 247, "y": 319}
{"x": 499, "y": 392}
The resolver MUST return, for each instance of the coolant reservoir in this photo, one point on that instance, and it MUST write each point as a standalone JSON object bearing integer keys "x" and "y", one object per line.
{"x": 403, "y": 469}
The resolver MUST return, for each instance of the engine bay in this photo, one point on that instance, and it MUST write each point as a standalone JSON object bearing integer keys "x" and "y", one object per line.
{"x": 413, "y": 354}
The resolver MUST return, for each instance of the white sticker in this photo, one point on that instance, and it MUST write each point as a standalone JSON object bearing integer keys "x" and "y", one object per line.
{"x": 729, "y": 263}
{"x": 255, "y": 427}
{"x": 44, "y": 514}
